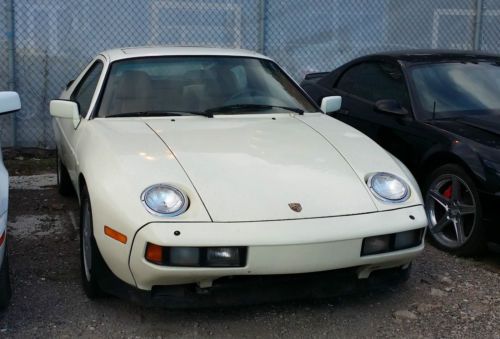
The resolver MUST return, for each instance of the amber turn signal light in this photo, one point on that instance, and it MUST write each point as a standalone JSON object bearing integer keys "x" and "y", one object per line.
{"x": 114, "y": 234}
{"x": 154, "y": 253}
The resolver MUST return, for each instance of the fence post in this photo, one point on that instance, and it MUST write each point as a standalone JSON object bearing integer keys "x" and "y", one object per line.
{"x": 261, "y": 48}
{"x": 11, "y": 61}
{"x": 478, "y": 23}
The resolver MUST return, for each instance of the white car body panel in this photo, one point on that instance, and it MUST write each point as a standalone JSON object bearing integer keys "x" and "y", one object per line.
{"x": 3, "y": 228}
{"x": 4, "y": 189}
{"x": 289, "y": 160}
{"x": 152, "y": 51}
{"x": 4, "y": 204}
{"x": 363, "y": 155}
{"x": 9, "y": 102}
{"x": 240, "y": 173}
{"x": 277, "y": 247}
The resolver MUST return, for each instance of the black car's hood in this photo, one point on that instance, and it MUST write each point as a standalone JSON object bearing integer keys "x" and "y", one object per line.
{"x": 482, "y": 129}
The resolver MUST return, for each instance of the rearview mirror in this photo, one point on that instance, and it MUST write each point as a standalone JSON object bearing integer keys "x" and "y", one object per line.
{"x": 331, "y": 104}
{"x": 9, "y": 102}
{"x": 390, "y": 106}
{"x": 66, "y": 110}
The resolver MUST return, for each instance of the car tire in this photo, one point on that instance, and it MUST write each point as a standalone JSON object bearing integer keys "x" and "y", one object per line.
{"x": 64, "y": 184}
{"x": 91, "y": 260}
{"x": 5, "y": 289}
{"x": 454, "y": 212}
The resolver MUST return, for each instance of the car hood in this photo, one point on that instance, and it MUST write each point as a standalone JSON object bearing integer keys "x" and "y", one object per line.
{"x": 483, "y": 129}
{"x": 251, "y": 168}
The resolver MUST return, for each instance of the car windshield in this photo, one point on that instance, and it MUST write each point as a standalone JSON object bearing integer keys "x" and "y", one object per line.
{"x": 457, "y": 89}
{"x": 199, "y": 85}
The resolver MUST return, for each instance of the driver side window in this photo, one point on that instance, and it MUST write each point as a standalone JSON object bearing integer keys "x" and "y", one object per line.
{"x": 85, "y": 90}
{"x": 375, "y": 81}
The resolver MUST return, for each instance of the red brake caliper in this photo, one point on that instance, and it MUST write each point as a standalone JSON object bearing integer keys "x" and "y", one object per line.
{"x": 447, "y": 192}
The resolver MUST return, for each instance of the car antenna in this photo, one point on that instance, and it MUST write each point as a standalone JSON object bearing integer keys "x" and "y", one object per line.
{"x": 434, "y": 111}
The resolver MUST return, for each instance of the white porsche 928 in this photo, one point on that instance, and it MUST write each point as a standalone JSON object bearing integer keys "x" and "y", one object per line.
{"x": 200, "y": 171}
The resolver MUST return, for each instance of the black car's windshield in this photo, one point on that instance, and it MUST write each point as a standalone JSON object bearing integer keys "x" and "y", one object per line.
{"x": 457, "y": 89}
{"x": 204, "y": 85}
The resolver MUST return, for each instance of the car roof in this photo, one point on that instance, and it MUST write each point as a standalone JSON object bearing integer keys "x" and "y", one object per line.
{"x": 135, "y": 52}
{"x": 424, "y": 55}
{"x": 412, "y": 56}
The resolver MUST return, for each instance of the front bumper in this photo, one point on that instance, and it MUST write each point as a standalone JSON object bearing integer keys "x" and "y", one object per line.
{"x": 277, "y": 247}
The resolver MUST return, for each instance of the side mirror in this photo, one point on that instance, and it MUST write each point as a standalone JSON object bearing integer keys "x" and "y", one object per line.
{"x": 331, "y": 104}
{"x": 66, "y": 110}
{"x": 390, "y": 106}
{"x": 9, "y": 102}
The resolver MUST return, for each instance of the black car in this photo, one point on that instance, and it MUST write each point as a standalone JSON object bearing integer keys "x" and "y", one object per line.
{"x": 439, "y": 113}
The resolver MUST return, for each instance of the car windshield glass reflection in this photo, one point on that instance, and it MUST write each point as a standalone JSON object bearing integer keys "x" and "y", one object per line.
{"x": 455, "y": 89}
{"x": 199, "y": 85}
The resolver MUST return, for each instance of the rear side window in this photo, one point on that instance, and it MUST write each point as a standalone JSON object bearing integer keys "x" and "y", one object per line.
{"x": 86, "y": 88}
{"x": 375, "y": 81}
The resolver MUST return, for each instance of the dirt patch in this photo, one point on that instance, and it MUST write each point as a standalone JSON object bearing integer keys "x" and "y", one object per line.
{"x": 33, "y": 226}
{"x": 29, "y": 161}
{"x": 32, "y": 182}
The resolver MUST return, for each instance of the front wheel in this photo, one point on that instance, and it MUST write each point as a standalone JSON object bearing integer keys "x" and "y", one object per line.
{"x": 454, "y": 211}
{"x": 90, "y": 258}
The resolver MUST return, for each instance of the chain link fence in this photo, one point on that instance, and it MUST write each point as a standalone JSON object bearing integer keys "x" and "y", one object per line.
{"x": 5, "y": 120}
{"x": 490, "y": 28}
{"x": 55, "y": 39}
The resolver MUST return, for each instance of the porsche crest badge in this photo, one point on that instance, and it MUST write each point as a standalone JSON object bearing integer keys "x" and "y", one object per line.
{"x": 295, "y": 206}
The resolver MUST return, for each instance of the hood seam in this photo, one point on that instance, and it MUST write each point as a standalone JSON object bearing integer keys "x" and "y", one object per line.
{"x": 183, "y": 169}
{"x": 372, "y": 198}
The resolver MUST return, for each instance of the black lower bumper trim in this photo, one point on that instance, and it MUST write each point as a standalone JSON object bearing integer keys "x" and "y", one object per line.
{"x": 249, "y": 290}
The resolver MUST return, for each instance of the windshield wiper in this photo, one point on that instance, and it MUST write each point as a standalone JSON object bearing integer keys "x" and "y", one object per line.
{"x": 158, "y": 114}
{"x": 249, "y": 107}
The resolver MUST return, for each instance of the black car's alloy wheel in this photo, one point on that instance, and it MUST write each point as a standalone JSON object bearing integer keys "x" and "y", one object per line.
{"x": 454, "y": 211}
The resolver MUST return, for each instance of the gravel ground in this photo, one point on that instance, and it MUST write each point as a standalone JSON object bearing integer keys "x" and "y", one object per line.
{"x": 445, "y": 296}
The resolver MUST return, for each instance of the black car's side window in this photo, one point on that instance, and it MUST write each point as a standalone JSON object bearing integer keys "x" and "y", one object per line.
{"x": 375, "y": 81}
{"x": 85, "y": 90}
{"x": 352, "y": 81}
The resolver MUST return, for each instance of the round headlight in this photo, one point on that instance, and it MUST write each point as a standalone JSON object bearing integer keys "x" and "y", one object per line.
{"x": 164, "y": 200}
{"x": 388, "y": 187}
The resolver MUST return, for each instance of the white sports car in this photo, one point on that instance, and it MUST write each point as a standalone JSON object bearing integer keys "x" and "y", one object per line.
{"x": 9, "y": 102}
{"x": 200, "y": 168}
